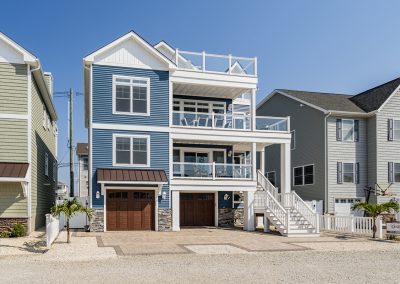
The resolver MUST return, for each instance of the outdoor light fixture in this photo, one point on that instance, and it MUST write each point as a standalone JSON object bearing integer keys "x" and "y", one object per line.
{"x": 230, "y": 153}
{"x": 97, "y": 194}
{"x": 164, "y": 195}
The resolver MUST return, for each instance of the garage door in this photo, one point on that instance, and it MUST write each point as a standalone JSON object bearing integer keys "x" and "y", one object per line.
{"x": 197, "y": 209}
{"x": 130, "y": 210}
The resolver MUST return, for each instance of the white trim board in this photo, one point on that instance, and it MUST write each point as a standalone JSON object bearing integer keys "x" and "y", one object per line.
{"x": 14, "y": 115}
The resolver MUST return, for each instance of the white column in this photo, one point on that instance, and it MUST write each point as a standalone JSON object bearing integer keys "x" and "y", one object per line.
{"x": 262, "y": 161}
{"x": 175, "y": 211}
{"x": 285, "y": 168}
{"x": 253, "y": 109}
{"x": 254, "y": 160}
{"x": 249, "y": 211}
{"x": 266, "y": 223}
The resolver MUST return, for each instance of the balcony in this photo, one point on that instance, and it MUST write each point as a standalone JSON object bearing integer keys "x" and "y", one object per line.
{"x": 229, "y": 121}
{"x": 212, "y": 171}
{"x": 216, "y": 63}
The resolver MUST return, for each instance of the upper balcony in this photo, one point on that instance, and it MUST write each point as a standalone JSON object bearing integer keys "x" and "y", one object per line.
{"x": 216, "y": 63}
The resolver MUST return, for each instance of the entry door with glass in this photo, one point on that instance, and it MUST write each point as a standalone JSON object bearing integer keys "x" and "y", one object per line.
{"x": 197, "y": 164}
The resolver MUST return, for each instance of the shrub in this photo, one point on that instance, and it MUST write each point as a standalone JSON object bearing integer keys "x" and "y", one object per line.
{"x": 17, "y": 230}
{"x": 392, "y": 237}
{"x": 4, "y": 234}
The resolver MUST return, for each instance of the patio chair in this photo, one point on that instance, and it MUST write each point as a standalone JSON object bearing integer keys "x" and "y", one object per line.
{"x": 203, "y": 122}
{"x": 184, "y": 122}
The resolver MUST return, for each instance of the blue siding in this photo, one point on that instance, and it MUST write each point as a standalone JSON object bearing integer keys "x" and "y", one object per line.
{"x": 102, "y": 96}
{"x": 102, "y": 157}
{"x": 222, "y": 203}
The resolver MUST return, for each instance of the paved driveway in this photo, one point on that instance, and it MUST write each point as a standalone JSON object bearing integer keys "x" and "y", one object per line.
{"x": 203, "y": 241}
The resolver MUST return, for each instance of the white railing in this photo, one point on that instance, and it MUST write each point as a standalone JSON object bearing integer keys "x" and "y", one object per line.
{"x": 52, "y": 229}
{"x": 270, "y": 123}
{"x": 305, "y": 210}
{"x": 216, "y": 63}
{"x": 267, "y": 185}
{"x": 265, "y": 200}
{"x": 211, "y": 120}
{"x": 350, "y": 225}
{"x": 212, "y": 171}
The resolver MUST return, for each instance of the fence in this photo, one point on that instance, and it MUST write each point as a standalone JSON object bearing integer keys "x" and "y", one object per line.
{"x": 350, "y": 225}
{"x": 53, "y": 228}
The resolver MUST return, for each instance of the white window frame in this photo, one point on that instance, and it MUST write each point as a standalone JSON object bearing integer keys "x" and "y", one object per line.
{"x": 46, "y": 164}
{"x": 267, "y": 176}
{"x": 131, "y": 78}
{"x": 147, "y": 137}
{"x": 394, "y": 172}
{"x": 178, "y": 102}
{"x": 293, "y": 132}
{"x": 353, "y": 136}
{"x": 396, "y": 129}
{"x": 354, "y": 172}
{"x": 303, "y": 181}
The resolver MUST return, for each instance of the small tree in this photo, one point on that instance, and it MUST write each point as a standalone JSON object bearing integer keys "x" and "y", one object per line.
{"x": 374, "y": 210}
{"x": 70, "y": 208}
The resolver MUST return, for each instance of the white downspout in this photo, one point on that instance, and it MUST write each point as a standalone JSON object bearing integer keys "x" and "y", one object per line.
{"x": 326, "y": 161}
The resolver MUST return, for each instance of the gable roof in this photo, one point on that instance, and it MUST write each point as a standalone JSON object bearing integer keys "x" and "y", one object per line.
{"x": 374, "y": 98}
{"x": 130, "y": 35}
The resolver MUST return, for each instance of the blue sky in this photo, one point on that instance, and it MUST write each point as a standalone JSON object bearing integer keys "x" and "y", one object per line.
{"x": 334, "y": 46}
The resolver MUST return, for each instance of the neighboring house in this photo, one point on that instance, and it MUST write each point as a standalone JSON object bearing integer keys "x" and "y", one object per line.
{"x": 62, "y": 191}
{"x": 82, "y": 151}
{"x": 172, "y": 137}
{"x": 340, "y": 144}
{"x": 28, "y": 138}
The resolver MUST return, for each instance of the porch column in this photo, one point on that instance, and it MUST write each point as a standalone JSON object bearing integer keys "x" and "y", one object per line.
{"x": 253, "y": 109}
{"x": 262, "y": 161}
{"x": 285, "y": 168}
{"x": 175, "y": 211}
{"x": 249, "y": 224}
{"x": 254, "y": 160}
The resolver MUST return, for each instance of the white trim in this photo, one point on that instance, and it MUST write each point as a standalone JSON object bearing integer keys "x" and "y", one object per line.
{"x": 14, "y": 115}
{"x": 11, "y": 179}
{"x": 130, "y": 84}
{"x": 131, "y": 136}
{"x": 133, "y": 182}
{"x": 303, "y": 175}
{"x": 28, "y": 57}
{"x": 131, "y": 35}
{"x": 29, "y": 173}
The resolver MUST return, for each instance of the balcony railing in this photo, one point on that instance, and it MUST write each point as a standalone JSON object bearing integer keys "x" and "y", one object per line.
{"x": 211, "y": 120}
{"x": 229, "y": 121}
{"x": 216, "y": 63}
{"x": 212, "y": 171}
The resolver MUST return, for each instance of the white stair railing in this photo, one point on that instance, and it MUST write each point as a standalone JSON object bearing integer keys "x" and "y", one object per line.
{"x": 267, "y": 185}
{"x": 305, "y": 210}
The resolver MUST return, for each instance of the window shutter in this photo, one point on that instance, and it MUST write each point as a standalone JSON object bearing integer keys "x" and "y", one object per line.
{"x": 390, "y": 172}
{"x": 357, "y": 173}
{"x": 390, "y": 129}
{"x": 356, "y": 130}
{"x": 338, "y": 129}
{"x": 339, "y": 172}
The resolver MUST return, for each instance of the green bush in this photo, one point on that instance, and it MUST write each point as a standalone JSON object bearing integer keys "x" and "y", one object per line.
{"x": 17, "y": 230}
{"x": 4, "y": 234}
{"x": 392, "y": 237}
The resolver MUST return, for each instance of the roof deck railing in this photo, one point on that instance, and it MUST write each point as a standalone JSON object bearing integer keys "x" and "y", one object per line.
{"x": 216, "y": 63}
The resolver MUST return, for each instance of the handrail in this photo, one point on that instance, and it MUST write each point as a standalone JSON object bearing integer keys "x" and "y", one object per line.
{"x": 304, "y": 209}
{"x": 212, "y": 170}
{"x": 272, "y": 204}
{"x": 267, "y": 185}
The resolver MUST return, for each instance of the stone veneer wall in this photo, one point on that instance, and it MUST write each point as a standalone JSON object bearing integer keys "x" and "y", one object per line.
{"x": 97, "y": 221}
{"x": 7, "y": 223}
{"x": 239, "y": 217}
{"x": 230, "y": 217}
{"x": 164, "y": 219}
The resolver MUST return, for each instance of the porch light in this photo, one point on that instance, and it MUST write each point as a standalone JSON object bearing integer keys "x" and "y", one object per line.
{"x": 230, "y": 153}
{"x": 164, "y": 195}
{"x": 97, "y": 194}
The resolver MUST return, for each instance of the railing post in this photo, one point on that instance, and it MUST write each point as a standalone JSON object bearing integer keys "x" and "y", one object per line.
{"x": 327, "y": 222}
{"x": 287, "y": 221}
{"x": 288, "y": 124}
{"x": 230, "y": 64}
{"x": 204, "y": 61}
{"x": 379, "y": 231}
{"x": 317, "y": 223}
{"x": 213, "y": 120}
{"x": 213, "y": 170}
{"x": 352, "y": 224}
{"x": 176, "y": 57}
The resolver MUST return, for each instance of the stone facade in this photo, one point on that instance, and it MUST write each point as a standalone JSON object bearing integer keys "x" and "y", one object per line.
{"x": 164, "y": 219}
{"x": 7, "y": 223}
{"x": 97, "y": 221}
{"x": 239, "y": 217}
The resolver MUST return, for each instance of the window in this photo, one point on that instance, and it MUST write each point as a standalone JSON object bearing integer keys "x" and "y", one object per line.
{"x": 85, "y": 163}
{"x": 131, "y": 95}
{"x": 271, "y": 176}
{"x": 293, "y": 140}
{"x": 131, "y": 150}
{"x": 303, "y": 175}
{"x": 348, "y": 129}
{"x": 46, "y": 164}
{"x": 396, "y": 129}
{"x": 348, "y": 172}
{"x": 394, "y": 172}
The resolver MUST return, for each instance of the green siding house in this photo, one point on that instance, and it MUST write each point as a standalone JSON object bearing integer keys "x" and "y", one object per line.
{"x": 28, "y": 138}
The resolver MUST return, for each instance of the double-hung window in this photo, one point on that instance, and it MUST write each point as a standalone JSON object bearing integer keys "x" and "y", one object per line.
{"x": 303, "y": 175}
{"x": 348, "y": 172}
{"x": 347, "y": 130}
{"x": 131, "y": 95}
{"x": 394, "y": 172}
{"x": 131, "y": 150}
{"x": 394, "y": 129}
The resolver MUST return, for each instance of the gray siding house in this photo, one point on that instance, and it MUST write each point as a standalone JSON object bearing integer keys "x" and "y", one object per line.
{"x": 341, "y": 144}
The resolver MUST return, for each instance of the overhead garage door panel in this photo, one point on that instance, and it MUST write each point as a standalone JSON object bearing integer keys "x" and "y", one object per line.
{"x": 197, "y": 209}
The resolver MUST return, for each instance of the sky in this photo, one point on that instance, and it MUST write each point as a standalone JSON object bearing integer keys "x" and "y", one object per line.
{"x": 331, "y": 46}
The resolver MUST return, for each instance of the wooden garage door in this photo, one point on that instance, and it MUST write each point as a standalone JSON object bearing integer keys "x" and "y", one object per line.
{"x": 197, "y": 209}
{"x": 130, "y": 210}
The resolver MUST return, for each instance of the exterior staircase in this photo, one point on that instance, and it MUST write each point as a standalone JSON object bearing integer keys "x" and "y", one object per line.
{"x": 290, "y": 215}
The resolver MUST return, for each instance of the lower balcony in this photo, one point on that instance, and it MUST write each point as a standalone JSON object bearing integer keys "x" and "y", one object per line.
{"x": 212, "y": 171}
